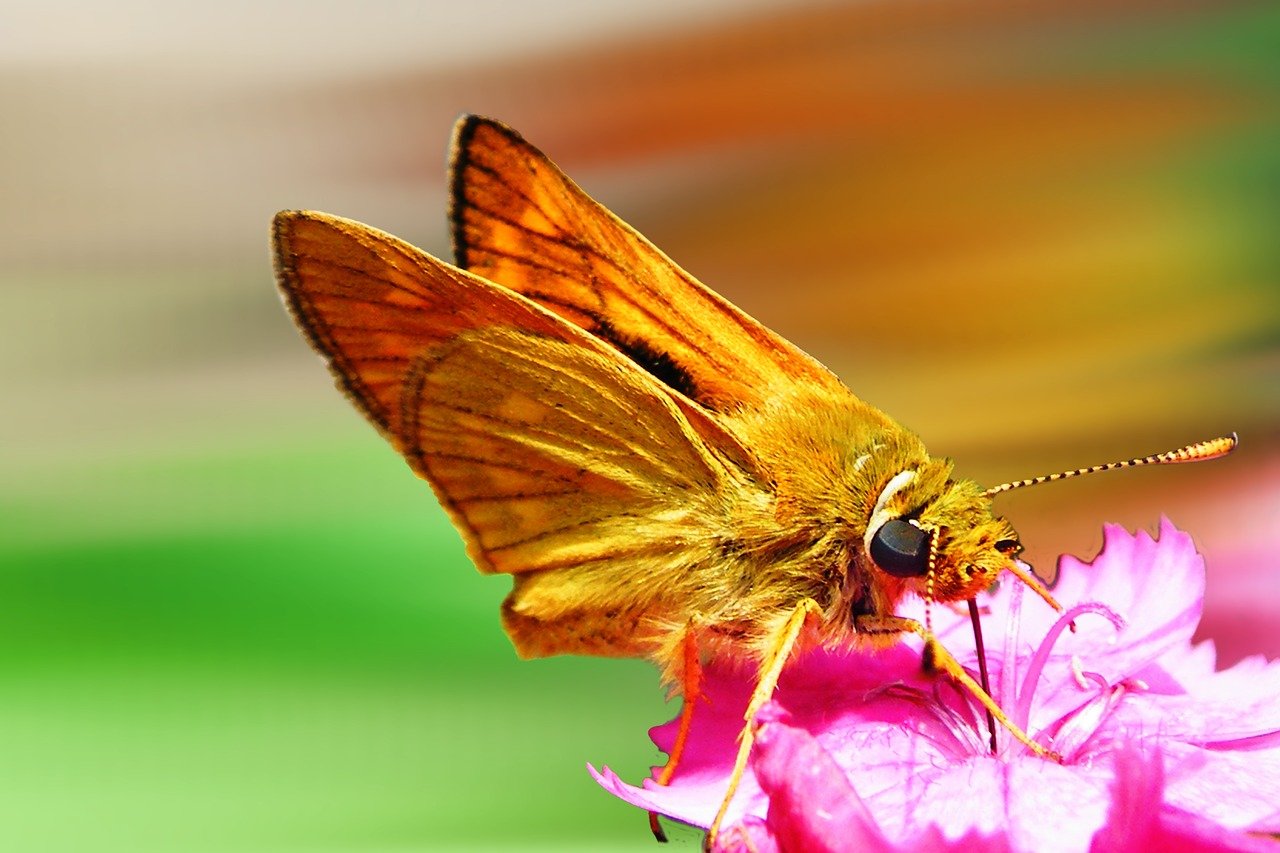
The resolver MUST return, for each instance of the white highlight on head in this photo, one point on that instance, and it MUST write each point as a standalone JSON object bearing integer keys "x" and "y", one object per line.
{"x": 880, "y": 514}
{"x": 866, "y": 457}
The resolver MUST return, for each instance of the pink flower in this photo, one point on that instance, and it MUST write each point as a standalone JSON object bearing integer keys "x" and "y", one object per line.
{"x": 861, "y": 751}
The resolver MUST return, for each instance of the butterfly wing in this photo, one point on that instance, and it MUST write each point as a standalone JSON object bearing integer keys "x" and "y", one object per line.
{"x": 521, "y": 222}
{"x": 550, "y": 450}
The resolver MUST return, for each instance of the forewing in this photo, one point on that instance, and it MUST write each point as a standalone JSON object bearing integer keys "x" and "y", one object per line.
{"x": 521, "y": 222}
{"x": 548, "y": 448}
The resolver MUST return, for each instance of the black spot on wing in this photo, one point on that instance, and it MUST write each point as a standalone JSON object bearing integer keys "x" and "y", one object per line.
{"x": 656, "y": 363}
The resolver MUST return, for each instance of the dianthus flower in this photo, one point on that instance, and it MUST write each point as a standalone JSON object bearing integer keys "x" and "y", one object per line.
{"x": 860, "y": 750}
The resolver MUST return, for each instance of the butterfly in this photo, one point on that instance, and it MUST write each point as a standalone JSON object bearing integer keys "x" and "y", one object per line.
{"x": 661, "y": 475}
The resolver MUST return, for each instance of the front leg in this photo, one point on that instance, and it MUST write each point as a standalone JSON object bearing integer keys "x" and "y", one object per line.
{"x": 781, "y": 644}
{"x": 937, "y": 658}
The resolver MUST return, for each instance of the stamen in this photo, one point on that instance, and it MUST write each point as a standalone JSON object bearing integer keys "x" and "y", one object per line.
{"x": 1009, "y": 661}
{"x": 1022, "y": 712}
{"x": 1077, "y": 672}
{"x": 1084, "y": 722}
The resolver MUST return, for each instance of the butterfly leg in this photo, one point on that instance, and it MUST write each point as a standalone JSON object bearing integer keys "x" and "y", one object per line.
{"x": 936, "y": 658}
{"x": 691, "y": 693}
{"x": 783, "y": 642}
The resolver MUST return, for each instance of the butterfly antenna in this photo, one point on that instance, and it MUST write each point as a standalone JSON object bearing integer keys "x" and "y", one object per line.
{"x": 928, "y": 586}
{"x": 1198, "y": 452}
{"x": 982, "y": 669}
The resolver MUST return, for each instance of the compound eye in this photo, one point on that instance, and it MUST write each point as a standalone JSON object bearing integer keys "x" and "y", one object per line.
{"x": 901, "y": 549}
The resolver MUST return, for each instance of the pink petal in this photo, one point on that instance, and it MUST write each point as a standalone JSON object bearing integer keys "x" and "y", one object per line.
{"x": 689, "y": 800}
{"x": 1233, "y": 788}
{"x": 1035, "y": 804}
{"x": 1247, "y": 721}
{"x": 1139, "y": 820}
{"x": 1181, "y": 668}
{"x": 1133, "y": 818}
{"x": 811, "y": 804}
{"x": 1156, "y": 586}
{"x": 914, "y": 748}
{"x": 1192, "y": 703}
{"x": 1180, "y": 831}
{"x": 752, "y": 835}
{"x": 812, "y": 689}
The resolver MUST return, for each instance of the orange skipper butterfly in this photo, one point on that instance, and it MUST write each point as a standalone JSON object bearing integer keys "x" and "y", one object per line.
{"x": 661, "y": 475}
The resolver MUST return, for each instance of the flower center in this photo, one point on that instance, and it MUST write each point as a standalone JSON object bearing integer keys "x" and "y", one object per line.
{"x": 1067, "y": 734}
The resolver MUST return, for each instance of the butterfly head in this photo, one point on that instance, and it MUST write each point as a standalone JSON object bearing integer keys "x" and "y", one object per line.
{"x": 939, "y": 534}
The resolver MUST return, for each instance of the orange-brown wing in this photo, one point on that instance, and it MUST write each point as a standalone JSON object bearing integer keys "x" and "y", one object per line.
{"x": 521, "y": 222}
{"x": 549, "y": 449}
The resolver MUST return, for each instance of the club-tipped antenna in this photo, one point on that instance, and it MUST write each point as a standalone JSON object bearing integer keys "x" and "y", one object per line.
{"x": 1198, "y": 452}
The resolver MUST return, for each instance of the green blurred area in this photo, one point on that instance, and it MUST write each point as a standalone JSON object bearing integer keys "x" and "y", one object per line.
{"x": 230, "y": 617}
{"x": 322, "y": 671}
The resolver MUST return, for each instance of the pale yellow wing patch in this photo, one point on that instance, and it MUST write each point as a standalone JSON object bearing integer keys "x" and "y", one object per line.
{"x": 555, "y": 453}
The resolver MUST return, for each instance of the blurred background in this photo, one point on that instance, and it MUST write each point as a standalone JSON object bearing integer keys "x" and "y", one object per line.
{"x": 1042, "y": 235}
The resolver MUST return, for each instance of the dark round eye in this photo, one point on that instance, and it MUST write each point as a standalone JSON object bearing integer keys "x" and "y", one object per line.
{"x": 901, "y": 549}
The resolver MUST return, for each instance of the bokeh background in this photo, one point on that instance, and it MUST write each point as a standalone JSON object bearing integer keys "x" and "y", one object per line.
{"x": 1042, "y": 235}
